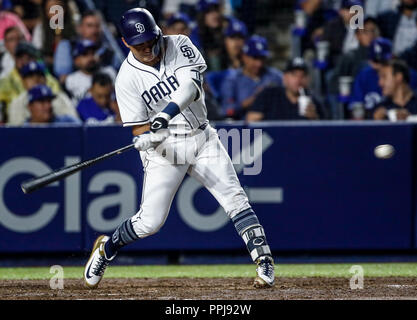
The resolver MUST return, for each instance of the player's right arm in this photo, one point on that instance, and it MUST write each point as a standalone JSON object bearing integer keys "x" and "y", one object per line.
{"x": 146, "y": 141}
{"x": 133, "y": 111}
{"x": 140, "y": 129}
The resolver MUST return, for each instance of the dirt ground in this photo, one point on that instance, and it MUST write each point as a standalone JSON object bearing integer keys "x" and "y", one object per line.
{"x": 212, "y": 289}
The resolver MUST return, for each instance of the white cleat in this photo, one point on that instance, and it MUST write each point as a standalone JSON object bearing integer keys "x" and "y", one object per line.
{"x": 265, "y": 272}
{"x": 96, "y": 264}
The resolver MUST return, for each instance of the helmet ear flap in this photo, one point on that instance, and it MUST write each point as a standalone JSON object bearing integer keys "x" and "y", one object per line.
{"x": 156, "y": 49}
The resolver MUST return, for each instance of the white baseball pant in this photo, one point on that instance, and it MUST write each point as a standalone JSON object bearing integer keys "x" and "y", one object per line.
{"x": 202, "y": 156}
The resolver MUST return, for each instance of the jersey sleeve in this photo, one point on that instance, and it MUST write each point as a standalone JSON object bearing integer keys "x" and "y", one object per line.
{"x": 132, "y": 109}
{"x": 187, "y": 55}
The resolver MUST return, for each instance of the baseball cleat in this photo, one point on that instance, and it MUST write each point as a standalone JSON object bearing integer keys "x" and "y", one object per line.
{"x": 96, "y": 264}
{"x": 265, "y": 272}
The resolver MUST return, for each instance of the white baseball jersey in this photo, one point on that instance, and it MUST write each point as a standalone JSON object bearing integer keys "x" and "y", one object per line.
{"x": 142, "y": 91}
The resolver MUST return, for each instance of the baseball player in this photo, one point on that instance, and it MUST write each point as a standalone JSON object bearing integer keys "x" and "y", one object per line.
{"x": 160, "y": 96}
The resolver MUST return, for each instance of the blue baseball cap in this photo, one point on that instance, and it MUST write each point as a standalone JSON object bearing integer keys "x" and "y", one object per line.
{"x": 40, "y": 92}
{"x": 380, "y": 50}
{"x": 236, "y": 28}
{"x": 350, "y": 3}
{"x": 32, "y": 67}
{"x": 179, "y": 17}
{"x": 206, "y": 5}
{"x": 256, "y": 46}
{"x": 82, "y": 46}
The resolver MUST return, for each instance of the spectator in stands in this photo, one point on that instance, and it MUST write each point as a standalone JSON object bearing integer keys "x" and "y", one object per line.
{"x": 12, "y": 37}
{"x": 289, "y": 102}
{"x": 188, "y": 6}
{"x": 9, "y": 19}
{"x": 349, "y": 66}
{"x": 241, "y": 87}
{"x": 12, "y": 85}
{"x": 317, "y": 14}
{"x": 46, "y": 38}
{"x": 90, "y": 28}
{"x": 374, "y": 8}
{"x": 399, "y": 25}
{"x": 339, "y": 34}
{"x": 352, "y": 62}
{"x": 410, "y": 56}
{"x": 96, "y": 106}
{"x": 234, "y": 39}
{"x": 366, "y": 90}
{"x": 28, "y": 11}
{"x": 40, "y": 107}
{"x": 178, "y": 23}
{"x": 399, "y": 99}
{"x": 33, "y": 74}
{"x": 207, "y": 36}
{"x": 85, "y": 60}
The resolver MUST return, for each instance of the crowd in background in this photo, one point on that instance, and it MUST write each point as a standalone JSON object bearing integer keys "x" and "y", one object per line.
{"x": 334, "y": 70}
{"x": 364, "y": 72}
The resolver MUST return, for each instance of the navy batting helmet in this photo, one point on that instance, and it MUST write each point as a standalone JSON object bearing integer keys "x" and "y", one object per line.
{"x": 138, "y": 26}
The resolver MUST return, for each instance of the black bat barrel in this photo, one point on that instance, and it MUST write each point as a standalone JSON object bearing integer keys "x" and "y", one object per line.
{"x": 39, "y": 182}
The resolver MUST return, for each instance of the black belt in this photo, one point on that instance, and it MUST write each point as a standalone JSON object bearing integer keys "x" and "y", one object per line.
{"x": 202, "y": 128}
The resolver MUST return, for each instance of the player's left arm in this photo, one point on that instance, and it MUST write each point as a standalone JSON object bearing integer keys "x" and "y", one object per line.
{"x": 189, "y": 90}
{"x": 190, "y": 66}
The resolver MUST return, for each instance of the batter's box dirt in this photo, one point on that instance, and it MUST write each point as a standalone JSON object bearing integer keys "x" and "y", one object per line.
{"x": 212, "y": 289}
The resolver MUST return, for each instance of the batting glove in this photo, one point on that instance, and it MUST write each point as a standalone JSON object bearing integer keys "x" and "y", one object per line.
{"x": 160, "y": 122}
{"x": 144, "y": 142}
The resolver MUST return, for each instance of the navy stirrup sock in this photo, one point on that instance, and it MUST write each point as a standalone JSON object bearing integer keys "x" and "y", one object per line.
{"x": 123, "y": 235}
{"x": 251, "y": 231}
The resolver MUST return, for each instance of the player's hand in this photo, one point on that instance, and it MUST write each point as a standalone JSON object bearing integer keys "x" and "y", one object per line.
{"x": 159, "y": 136}
{"x": 144, "y": 142}
{"x": 160, "y": 122}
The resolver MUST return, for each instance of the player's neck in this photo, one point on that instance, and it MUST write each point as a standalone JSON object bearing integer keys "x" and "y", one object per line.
{"x": 144, "y": 59}
{"x": 150, "y": 63}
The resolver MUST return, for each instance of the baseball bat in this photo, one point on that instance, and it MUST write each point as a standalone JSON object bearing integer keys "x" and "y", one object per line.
{"x": 39, "y": 182}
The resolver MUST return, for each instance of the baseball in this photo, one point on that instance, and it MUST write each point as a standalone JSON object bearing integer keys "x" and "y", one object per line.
{"x": 384, "y": 151}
